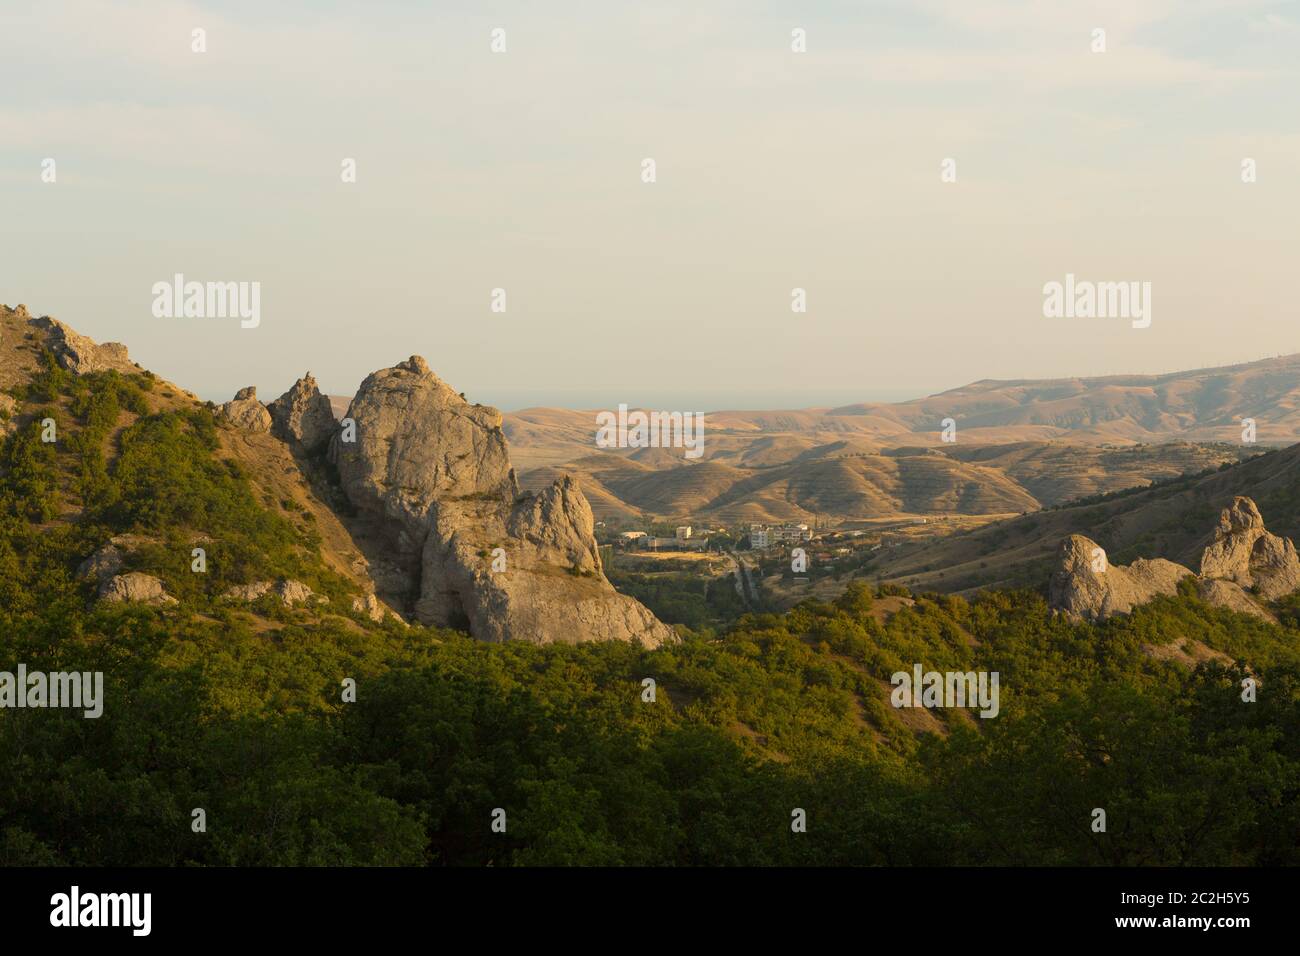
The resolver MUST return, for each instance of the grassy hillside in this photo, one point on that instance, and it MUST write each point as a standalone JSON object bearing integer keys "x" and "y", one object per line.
{"x": 1170, "y": 520}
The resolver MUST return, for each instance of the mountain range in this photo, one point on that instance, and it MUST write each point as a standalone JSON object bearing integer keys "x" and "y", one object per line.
{"x": 1016, "y": 446}
{"x": 1202, "y": 405}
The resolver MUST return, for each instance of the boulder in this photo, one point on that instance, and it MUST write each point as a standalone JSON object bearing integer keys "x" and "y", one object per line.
{"x": 245, "y": 411}
{"x": 302, "y": 416}
{"x": 248, "y": 592}
{"x": 289, "y": 592}
{"x": 136, "y": 588}
{"x": 295, "y": 592}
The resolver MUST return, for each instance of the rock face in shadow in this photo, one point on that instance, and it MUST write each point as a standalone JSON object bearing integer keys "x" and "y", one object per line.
{"x": 1086, "y": 585}
{"x": 1242, "y": 564}
{"x": 1244, "y": 552}
{"x": 302, "y": 416}
{"x": 432, "y": 473}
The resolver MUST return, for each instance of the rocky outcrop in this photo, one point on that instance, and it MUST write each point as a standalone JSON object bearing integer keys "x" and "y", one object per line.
{"x": 432, "y": 472}
{"x": 104, "y": 568}
{"x": 245, "y": 411}
{"x": 1242, "y": 564}
{"x": 1244, "y": 552}
{"x": 302, "y": 416}
{"x": 1086, "y": 585}
{"x": 79, "y": 354}
{"x": 290, "y": 592}
{"x": 136, "y": 588}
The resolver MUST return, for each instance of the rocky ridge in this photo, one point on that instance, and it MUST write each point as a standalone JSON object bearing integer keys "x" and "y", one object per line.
{"x": 77, "y": 353}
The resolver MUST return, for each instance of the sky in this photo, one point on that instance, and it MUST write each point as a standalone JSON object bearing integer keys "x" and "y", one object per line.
{"x": 522, "y": 170}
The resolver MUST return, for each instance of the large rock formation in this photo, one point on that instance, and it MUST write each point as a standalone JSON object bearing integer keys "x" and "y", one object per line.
{"x": 1243, "y": 552}
{"x": 432, "y": 472}
{"x": 1242, "y": 563}
{"x": 245, "y": 411}
{"x": 1086, "y": 585}
{"x": 302, "y": 416}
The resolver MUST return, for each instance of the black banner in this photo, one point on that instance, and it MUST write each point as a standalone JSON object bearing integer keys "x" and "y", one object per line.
{"x": 337, "y": 905}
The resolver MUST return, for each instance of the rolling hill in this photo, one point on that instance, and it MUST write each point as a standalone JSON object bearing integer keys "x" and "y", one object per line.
{"x": 1020, "y": 446}
{"x": 828, "y": 483}
{"x": 1202, "y": 405}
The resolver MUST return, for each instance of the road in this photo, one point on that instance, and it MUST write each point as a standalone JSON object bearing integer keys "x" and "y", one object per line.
{"x": 744, "y": 583}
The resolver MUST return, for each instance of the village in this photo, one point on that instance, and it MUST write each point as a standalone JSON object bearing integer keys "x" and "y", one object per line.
{"x": 715, "y": 573}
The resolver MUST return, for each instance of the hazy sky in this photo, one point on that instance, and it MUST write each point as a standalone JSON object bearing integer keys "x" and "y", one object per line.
{"x": 775, "y": 170}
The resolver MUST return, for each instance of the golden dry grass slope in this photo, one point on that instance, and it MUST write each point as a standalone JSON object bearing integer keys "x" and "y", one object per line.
{"x": 1202, "y": 405}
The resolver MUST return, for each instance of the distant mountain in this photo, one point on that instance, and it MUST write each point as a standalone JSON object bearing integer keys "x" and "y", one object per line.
{"x": 1199, "y": 406}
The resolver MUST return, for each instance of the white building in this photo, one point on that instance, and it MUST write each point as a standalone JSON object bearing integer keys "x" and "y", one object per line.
{"x": 683, "y": 532}
{"x": 761, "y": 536}
{"x": 791, "y": 533}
